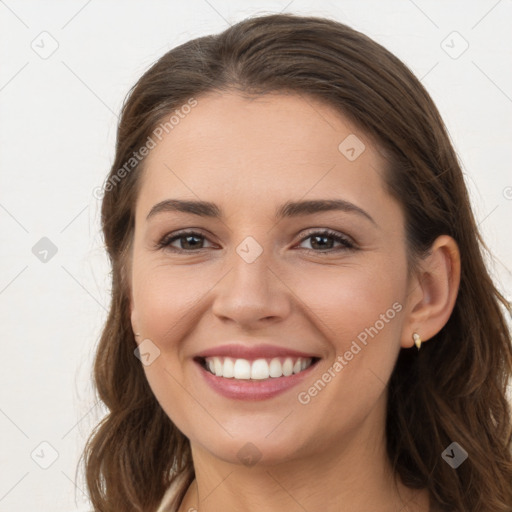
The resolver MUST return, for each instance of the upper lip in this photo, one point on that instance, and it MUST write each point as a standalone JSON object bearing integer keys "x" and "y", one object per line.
{"x": 238, "y": 351}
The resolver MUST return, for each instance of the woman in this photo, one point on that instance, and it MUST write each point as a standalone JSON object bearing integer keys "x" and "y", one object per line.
{"x": 301, "y": 317}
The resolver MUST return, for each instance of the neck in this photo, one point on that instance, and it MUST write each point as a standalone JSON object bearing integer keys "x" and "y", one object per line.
{"x": 350, "y": 474}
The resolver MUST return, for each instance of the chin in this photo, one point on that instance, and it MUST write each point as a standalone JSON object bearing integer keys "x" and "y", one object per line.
{"x": 249, "y": 452}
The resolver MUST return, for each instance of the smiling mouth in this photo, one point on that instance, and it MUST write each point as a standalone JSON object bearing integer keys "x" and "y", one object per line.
{"x": 257, "y": 369}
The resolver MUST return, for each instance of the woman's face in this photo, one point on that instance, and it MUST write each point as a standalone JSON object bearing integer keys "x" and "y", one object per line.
{"x": 259, "y": 289}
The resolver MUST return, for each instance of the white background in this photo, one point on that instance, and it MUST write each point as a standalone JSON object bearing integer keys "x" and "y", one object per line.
{"x": 57, "y": 138}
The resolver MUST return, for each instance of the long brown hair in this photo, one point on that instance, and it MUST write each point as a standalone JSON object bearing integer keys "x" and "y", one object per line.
{"x": 451, "y": 390}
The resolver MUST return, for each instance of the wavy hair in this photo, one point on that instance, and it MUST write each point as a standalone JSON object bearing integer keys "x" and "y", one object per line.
{"x": 454, "y": 389}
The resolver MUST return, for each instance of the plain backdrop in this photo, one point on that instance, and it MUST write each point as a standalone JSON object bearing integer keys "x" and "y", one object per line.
{"x": 65, "y": 69}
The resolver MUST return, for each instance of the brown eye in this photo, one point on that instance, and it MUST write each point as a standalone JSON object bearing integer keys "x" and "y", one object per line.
{"x": 324, "y": 241}
{"x": 188, "y": 241}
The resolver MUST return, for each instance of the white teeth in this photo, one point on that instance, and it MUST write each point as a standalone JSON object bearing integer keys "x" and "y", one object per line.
{"x": 228, "y": 370}
{"x": 287, "y": 367}
{"x": 217, "y": 364}
{"x": 276, "y": 368}
{"x": 259, "y": 369}
{"x": 242, "y": 369}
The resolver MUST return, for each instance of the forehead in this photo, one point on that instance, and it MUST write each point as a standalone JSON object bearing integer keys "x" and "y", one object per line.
{"x": 234, "y": 148}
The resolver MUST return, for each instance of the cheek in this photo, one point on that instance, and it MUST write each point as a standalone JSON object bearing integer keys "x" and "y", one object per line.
{"x": 343, "y": 300}
{"x": 357, "y": 311}
{"x": 167, "y": 299}
{"x": 348, "y": 300}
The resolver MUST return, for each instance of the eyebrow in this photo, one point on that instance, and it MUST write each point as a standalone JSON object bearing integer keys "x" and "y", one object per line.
{"x": 287, "y": 210}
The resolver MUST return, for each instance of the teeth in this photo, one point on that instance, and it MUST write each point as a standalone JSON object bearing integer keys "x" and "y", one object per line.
{"x": 259, "y": 369}
{"x": 242, "y": 369}
{"x": 217, "y": 365}
{"x": 276, "y": 369}
{"x": 287, "y": 367}
{"x": 228, "y": 369}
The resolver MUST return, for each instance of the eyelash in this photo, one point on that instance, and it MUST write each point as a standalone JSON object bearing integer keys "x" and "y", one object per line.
{"x": 165, "y": 242}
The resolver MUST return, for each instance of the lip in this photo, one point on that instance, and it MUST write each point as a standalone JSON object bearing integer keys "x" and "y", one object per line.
{"x": 252, "y": 352}
{"x": 249, "y": 389}
{"x": 253, "y": 389}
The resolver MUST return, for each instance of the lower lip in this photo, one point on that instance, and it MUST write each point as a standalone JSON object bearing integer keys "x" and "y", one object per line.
{"x": 253, "y": 389}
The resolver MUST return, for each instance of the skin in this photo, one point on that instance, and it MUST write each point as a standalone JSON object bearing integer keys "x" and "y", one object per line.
{"x": 250, "y": 156}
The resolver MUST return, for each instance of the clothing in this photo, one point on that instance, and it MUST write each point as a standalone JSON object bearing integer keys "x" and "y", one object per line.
{"x": 168, "y": 501}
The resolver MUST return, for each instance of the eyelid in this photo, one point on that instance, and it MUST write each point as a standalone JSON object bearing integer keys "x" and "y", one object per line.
{"x": 166, "y": 240}
{"x": 347, "y": 242}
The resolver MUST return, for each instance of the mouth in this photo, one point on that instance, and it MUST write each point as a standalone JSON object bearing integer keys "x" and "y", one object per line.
{"x": 255, "y": 369}
{"x": 253, "y": 372}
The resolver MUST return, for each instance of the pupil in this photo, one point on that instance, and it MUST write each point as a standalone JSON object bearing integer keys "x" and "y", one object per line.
{"x": 191, "y": 237}
{"x": 323, "y": 244}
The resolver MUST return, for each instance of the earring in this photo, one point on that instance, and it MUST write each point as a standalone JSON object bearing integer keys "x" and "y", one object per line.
{"x": 417, "y": 339}
{"x": 137, "y": 334}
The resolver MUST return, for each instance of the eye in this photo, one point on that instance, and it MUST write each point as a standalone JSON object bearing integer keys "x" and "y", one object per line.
{"x": 188, "y": 241}
{"x": 323, "y": 241}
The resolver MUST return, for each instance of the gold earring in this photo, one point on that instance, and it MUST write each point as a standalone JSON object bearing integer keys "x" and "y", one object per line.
{"x": 417, "y": 339}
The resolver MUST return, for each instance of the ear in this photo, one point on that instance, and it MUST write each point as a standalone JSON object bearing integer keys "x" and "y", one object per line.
{"x": 432, "y": 291}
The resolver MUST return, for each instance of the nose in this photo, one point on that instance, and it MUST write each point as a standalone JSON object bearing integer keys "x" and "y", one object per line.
{"x": 252, "y": 295}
